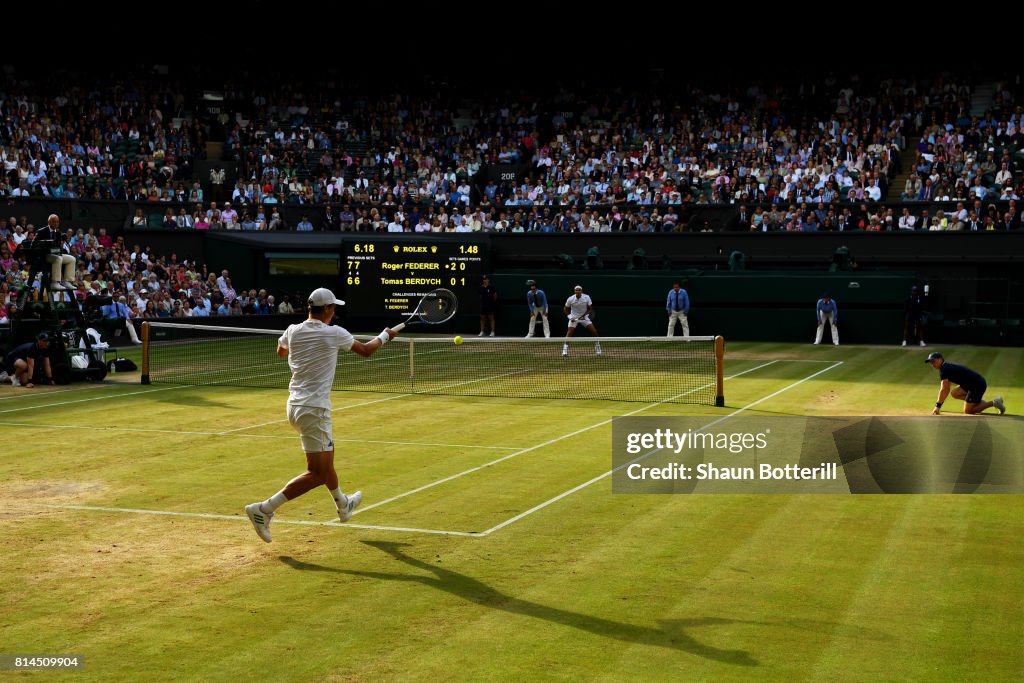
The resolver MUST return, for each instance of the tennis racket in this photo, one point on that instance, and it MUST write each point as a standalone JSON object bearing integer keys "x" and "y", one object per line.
{"x": 436, "y": 307}
{"x": 576, "y": 318}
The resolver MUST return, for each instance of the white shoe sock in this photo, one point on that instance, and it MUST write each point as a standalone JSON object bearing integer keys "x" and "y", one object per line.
{"x": 340, "y": 499}
{"x": 271, "y": 504}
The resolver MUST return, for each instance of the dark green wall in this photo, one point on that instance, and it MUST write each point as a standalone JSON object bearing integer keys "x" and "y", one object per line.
{"x": 976, "y": 294}
{"x": 754, "y": 306}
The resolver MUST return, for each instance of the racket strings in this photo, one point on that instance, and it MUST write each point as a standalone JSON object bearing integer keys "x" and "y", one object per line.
{"x": 438, "y": 306}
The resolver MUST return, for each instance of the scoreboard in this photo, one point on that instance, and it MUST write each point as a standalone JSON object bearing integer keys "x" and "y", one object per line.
{"x": 387, "y": 277}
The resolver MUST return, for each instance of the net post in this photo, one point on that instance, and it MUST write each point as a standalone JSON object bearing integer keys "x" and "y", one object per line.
{"x": 145, "y": 351}
{"x": 719, "y": 371}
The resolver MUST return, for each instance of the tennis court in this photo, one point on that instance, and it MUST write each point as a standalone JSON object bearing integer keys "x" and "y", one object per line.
{"x": 488, "y": 520}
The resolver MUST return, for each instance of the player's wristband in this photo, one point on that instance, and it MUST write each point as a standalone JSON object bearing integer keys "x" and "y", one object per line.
{"x": 938, "y": 404}
{"x": 384, "y": 337}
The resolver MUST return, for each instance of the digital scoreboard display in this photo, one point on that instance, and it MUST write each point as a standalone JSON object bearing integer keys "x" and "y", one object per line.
{"x": 388, "y": 277}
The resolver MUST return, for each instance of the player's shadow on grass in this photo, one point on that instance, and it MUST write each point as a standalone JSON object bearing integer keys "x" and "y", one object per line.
{"x": 192, "y": 399}
{"x": 672, "y": 635}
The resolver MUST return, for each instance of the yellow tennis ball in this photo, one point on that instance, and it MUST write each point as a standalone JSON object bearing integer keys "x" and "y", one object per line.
{"x": 457, "y": 340}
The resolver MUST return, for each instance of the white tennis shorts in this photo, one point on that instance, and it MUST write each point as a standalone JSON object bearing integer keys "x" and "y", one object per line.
{"x": 314, "y": 427}
{"x": 584, "y": 321}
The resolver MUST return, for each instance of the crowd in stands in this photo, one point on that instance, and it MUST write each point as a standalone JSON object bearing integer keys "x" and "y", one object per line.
{"x": 599, "y": 154}
{"x": 145, "y": 284}
{"x": 98, "y": 140}
{"x": 587, "y": 159}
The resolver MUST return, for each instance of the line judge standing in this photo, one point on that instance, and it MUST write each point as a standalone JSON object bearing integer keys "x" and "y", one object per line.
{"x": 678, "y": 306}
{"x": 537, "y": 301}
{"x": 827, "y": 311}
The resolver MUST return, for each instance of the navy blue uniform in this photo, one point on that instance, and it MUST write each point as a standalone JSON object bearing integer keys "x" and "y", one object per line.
{"x": 24, "y": 352}
{"x": 914, "y": 307}
{"x": 487, "y": 299}
{"x": 971, "y": 382}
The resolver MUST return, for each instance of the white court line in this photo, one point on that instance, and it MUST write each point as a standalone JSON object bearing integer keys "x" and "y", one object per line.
{"x": 400, "y": 443}
{"x": 116, "y": 395}
{"x": 471, "y": 534}
{"x": 62, "y": 391}
{"x": 379, "y": 400}
{"x": 237, "y": 518}
{"x": 787, "y": 360}
{"x": 143, "y": 391}
{"x": 105, "y": 397}
{"x": 616, "y": 469}
{"x": 336, "y": 523}
{"x": 546, "y": 443}
{"x": 290, "y": 437}
{"x": 334, "y": 410}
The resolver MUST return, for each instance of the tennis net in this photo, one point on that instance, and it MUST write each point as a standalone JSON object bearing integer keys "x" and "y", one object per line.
{"x": 647, "y": 369}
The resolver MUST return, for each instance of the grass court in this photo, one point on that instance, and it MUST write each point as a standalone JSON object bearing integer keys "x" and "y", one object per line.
{"x": 489, "y": 545}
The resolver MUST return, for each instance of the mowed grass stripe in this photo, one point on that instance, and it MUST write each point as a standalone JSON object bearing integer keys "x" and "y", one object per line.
{"x": 583, "y": 431}
{"x": 292, "y": 437}
{"x": 608, "y": 599}
{"x": 895, "y": 381}
{"x": 930, "y": 583}
{"x": 181, "y": 405}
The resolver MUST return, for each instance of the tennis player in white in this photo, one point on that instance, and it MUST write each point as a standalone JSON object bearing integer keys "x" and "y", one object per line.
{"x": 579, "y": 307}
{"x": 311, "y": 348}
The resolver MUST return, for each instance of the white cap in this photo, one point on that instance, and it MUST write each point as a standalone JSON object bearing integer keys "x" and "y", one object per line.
{"x": 324, "y": 297}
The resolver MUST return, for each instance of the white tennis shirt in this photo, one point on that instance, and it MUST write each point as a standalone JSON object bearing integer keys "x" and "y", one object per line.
{"x": 313, "y": 357}
{"x": 578, "y": 307}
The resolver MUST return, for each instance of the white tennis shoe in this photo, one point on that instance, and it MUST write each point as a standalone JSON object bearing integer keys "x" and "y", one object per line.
{"x": 345, "y": 512}
{"x": 999, "y": 404}
{"x": 260, "y": 520}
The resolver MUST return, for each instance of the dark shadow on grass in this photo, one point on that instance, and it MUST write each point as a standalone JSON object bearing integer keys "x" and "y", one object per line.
{"x": 672, "y": 634}
{"x": 190, "y": 398}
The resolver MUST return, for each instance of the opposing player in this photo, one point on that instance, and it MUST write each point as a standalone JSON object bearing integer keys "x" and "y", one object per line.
{"x": 971, "y": 389}
{"x": 579, "y": 307}
{"x": 311, "y": 348}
